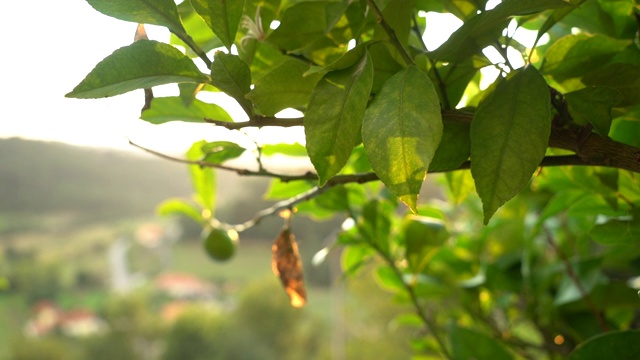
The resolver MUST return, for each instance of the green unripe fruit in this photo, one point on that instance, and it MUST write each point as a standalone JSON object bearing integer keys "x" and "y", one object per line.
{"x": 220, "y": 244}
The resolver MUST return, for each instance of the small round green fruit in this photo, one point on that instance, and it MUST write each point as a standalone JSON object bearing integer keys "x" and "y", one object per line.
{"x": 220, "y": 244}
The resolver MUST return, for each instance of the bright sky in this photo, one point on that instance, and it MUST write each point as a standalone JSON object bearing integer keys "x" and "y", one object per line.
{"x": 49, "y": 47}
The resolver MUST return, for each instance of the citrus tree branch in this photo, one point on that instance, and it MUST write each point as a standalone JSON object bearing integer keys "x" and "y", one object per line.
{"x": 392, "y": 34}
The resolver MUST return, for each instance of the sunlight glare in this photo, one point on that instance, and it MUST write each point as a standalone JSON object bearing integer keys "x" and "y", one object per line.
{"x": 439, "y": 28}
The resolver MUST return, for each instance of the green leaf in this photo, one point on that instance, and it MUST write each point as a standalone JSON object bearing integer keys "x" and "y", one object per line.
{"x": 334, "y": 116}
{"x": 218, "y": 152}
{"x": 388, "y": 279}
{"x": 197, "y": 29}
{"x": 467, "y": 344}
{"x": 460, "y": 185}
{"x": 301, "y": 25}
{"x": 483, "y": 29}
{"x": 155, "y": 12}
{"x": 589, "y": 274}
{"x": 222, "y": 16}
{"x": 619, "y": 345}
{"x": 231, "y": 74}
{"x": 284, "y": 190}
{"x": 283, "y": 149}
{"x": 177, "y": 206}
{"x": 285, "y": 86}
{"x": 401, "y": 131}
{"x": 454, "y": 147}
{"x": 509, "y": 137}
{"x": 421, "y": 235}
{"x": 555, "y": 17}
{"x": 140, "y": 65}
{"x": 349, "y": 59}
{"x": 623, "y": 77}
{"x": 593, "y": 105}
{"x": 203, "y": 180}
{"x": 574, "y": 55}
{"x": 615, "y": 232}
{"x": 165, "y": 109}
{"x": 375, "y": 224}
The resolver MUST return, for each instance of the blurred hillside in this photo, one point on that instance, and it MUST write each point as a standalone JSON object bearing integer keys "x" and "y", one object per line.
{"x": 39, "y": 177}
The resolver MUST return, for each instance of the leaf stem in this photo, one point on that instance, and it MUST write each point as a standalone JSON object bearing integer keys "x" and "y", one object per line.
{"x": 196, "y": 49}
{"x": 392, "y": 34}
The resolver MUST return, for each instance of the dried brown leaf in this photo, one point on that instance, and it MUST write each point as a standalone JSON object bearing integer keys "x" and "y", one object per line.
{"x": 287, "y": 265}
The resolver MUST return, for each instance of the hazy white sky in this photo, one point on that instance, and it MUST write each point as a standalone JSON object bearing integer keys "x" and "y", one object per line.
{"x": 49, "y": 47}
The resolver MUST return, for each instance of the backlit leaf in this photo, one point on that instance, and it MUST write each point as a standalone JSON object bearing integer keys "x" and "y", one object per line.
{"x": 482, "y": 30}
{"x": 401, "y": 131}
{"x": 203, "y": 179}
{"x": 284, "y": 87}
{"x": 575, "y": 55}
{"x": 334, "y": 116}
{"x": 179, "y": 206}
{"x": 231, "y": 75}
{"x": 218, "y": 152}
{"x": 140, "y": 65}
{"x": 155, "y": 12}
{"x": 615, "y": 232}
{"x": 222, "y": 16}
{"x": 173, "y": 108}
{"x": 287, "y": 265}
{"x": 509, "y": 137}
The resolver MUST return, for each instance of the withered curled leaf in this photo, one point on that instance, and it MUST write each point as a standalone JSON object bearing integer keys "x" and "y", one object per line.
{"x": 286, "y": 264}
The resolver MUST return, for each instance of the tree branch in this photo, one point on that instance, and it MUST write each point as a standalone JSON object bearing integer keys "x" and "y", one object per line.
{"x": 591, "y": 149}
{"x": 392, "y": 34}
{"x": 257, "y": 121}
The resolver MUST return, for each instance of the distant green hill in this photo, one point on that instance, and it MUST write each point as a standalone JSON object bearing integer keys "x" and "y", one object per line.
{"x": 42, "y": 177}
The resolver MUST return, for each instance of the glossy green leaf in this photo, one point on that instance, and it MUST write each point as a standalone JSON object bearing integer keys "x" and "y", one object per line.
{"x": 231, "y": 75}
{"x": 467, "y": 344}
{"x": 165, "y": 109}
{"x": 284, "y": 87}
{"x": 623, "y": 77}
{"x": 575, "y": 55}
{"x": 483, "y": 29}
{"x": 401, "y": 131}
{"x": 155, "y": 12}
{"x": 140, "y": 65}
{"x": 177, "y": 206}
{"x": 593, "y": 105}
{"x": 222, "y": 16}
{"x": 334, "y": 116}
{"x": 203, "y": 179}
{"x": 218, "y": 152}
{"x": 284, "y": 149}
{"x": 349, "y": 59}
{"x": 509, "y": 137}
{"x": 619, "y": 345}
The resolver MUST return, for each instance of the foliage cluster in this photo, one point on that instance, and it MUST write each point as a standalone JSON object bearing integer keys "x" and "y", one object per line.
{"x": 553, "y": 273}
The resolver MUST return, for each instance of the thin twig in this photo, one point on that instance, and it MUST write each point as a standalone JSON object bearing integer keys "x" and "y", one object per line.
{"x": 576, "y": 281}
{"x": 392, "y": 34}
{"x": 193, "y": 46}
{"x": 426, "y": 319}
